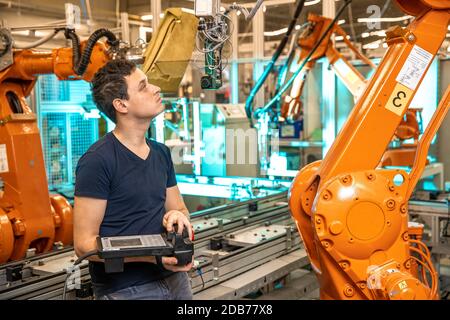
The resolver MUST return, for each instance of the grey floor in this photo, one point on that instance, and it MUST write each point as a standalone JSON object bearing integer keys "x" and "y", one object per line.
{"x": 299, "y": 285}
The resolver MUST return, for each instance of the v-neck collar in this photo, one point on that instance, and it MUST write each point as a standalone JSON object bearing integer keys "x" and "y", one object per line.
{"x": 134, "y": 155}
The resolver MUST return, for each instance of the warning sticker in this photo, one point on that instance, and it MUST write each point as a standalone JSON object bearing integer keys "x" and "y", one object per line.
{"x": 3, "y": 159}
{"x": 402, "y": 285}
{"x": 414, "y": 67}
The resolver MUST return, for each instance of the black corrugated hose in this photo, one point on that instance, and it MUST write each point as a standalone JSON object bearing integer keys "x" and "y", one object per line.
{"x": 73, "y": 37}
{"x": 269, "y": 67}
{"x": 81, "y": 61}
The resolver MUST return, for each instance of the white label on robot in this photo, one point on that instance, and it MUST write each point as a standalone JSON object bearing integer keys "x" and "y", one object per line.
{"x": 3, "y": 159}
{"x": 414, "y": 67}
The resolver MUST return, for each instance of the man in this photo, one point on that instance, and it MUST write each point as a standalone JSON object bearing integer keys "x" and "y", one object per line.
{"x": 126, "y": 185}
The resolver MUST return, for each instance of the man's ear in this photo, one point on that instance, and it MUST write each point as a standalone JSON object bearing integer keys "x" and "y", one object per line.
{"x": 120, "y": 106}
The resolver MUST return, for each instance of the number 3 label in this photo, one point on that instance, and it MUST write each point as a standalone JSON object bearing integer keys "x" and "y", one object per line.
{"x": 399, "y": 99}
{"x": 396, "y": 101}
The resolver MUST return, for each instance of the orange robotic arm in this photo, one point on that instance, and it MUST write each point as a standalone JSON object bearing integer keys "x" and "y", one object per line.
{"x": 29, "y": 217}
{"x": 353, "y": 218}
{"x": 347, "y": 73}
{"x": 408, "y": 129}
{"x": 354, "y": 81}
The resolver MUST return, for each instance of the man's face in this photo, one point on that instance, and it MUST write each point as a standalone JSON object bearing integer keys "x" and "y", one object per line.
{"x": 144, "y": 100}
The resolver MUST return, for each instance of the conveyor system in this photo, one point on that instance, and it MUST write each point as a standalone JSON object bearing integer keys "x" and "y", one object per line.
{"x": 231, "y": 240}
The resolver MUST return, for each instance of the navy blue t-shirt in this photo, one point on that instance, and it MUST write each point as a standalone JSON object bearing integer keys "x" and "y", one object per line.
{"x": 135, "y": 190}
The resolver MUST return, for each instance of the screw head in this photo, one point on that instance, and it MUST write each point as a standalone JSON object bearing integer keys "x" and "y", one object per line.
{"x": 348, "y": 290}
{"x": 390, "y": 204}
{"x": 370, "y": 176}
{"x": 346, "y": 180}
{"x": 326, "y": 195}
{"x": 405, "y": 236}
{"x": 403, "y": 208}
{"x": 326, "y": 244}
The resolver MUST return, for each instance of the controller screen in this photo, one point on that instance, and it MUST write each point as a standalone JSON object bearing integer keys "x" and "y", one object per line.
{"x": 126, "y": 242}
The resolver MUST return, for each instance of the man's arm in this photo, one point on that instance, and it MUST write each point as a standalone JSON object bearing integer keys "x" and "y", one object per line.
{"x": 174, "y": 201}
{"x": 87, "y": 218}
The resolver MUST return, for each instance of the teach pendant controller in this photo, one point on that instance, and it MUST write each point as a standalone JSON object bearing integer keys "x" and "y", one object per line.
{"x": 115, "y": 249}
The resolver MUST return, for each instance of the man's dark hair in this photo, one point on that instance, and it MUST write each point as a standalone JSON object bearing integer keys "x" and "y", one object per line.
{"x": 109, "y": 83}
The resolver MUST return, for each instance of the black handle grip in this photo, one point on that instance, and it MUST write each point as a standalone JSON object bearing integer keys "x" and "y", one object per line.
{"x": 183, "y": 248}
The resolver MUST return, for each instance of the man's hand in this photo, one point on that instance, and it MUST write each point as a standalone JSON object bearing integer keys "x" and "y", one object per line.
{"x": 169, "y": 263}
{"x": 170, "y": 218}
{"x": 177, "y": 217}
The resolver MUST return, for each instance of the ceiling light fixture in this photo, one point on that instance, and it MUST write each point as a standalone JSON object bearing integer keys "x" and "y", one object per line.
{"x": 311, "y": 3}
